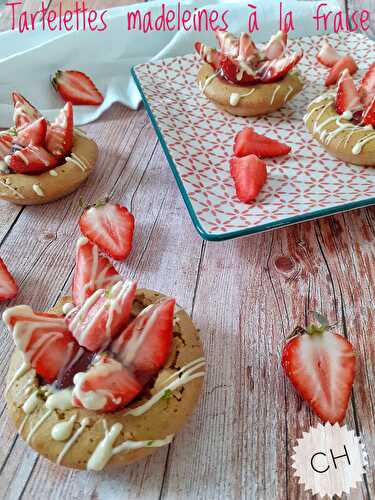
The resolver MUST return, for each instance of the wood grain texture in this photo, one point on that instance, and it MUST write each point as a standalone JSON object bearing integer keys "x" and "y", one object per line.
{"x": 245, "y": 296}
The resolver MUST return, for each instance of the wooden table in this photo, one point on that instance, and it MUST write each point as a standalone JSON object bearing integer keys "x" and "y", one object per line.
{"x": 244, "y": 295}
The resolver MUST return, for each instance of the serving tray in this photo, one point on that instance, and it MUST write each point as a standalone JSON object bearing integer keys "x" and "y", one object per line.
{"x": 197, "y": 140}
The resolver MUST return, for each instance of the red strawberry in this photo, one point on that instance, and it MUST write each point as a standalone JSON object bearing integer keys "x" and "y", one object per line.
{"x": 347, "y": 97}
{"x": 6, "y": 141}
{"x": 76, "y": 87}
{"x": 249, "y": 142}
{"x": 231, "y": 69}
{"x": 367, "y": 86}
{"x": 32, "y": 160}
{"x": 209, "y": 55}
{"x": 8, "y": 286}
{"x": 369, "y": 114}
{"x": 274, "y": 70}
{"x": 43, "y": 338}
{"x": 321, "y": 366}
{"x": 228, "y": 43}
{"x": 144, "y": 346}
{"x": 247, "y": 49}
{"x": 92, "y": 271}
{"x": 32, "y": 133}
{"x": 24, "y": 112}
{"x": 102, "y": 316}
{"x": 346, "y": 62}
{"x": 327, "y": 55}
{"x": 276, "y": 47}
{"x": 109, "y": 226}
{"x": 249, "y": 174}
{"x": 106, "y": 386}
{"x": 59, "y": 138}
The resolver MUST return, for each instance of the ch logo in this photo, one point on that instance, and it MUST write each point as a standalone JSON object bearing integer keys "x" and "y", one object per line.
{"x": 329, "y": 460}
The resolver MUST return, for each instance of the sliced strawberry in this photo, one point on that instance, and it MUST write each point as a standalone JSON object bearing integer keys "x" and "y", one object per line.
{"x": 347, "y": 97}
{"x": 8, "y": 285}
{"x": 43, "y": 338}
{"x": 109, "y": 226}
{"x": 248, "y": 142}
{"x": 231, "y": 70}
{"x": 76, "y": 87}
{"x": 32, "y": 133}
{"x": 346, "y": 62}
{"x": 6, "y": 141}
{"x": 276, "y": 47}
{"x": 107, "y": 386}
{"x": 32, "y": 160}
{"x": 321, "y": 366}
{"x": 327, "y": 55}
{"x": 144, "y": 346}
{"x": 271, "y": 71}
{"x": 369, "y": 114}
{"x": 249, "y": 174}
{"x": 229, "y": 45}
{"x": 102, "y": 316}
{"x": 247, "y": 49}
{"x": 24, "y": 112}
{"x": 208, "y": 55}
{"x": 367, "y": 86}
{"x": 92, "y": 271}
{"x": 59, "y": 138}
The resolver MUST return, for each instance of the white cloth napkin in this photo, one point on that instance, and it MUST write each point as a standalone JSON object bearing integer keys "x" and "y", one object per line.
{"x": 28, "y": 59}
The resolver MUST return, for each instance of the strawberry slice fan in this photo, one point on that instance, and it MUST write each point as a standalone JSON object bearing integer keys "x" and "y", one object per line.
{"x": 245, "y": 80}
{"x": 121, "y": 354}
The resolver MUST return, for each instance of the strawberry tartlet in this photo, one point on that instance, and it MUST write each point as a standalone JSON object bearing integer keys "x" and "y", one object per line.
{"x": 244, "y": 80}
{"x": 41, "y": 161}
{"x": 343, "y": 121}
{"x": 108, "y": 375}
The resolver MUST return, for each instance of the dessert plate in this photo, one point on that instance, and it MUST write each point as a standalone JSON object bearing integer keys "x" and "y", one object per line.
{"x": 197, "y": 140}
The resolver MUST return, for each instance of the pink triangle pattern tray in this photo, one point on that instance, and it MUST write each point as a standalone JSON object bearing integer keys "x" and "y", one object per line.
{"x": 197, "y": 140}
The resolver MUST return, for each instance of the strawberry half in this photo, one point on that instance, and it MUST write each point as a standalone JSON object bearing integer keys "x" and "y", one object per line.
{"x": 76, "y": 87}
{"x": 59, "y": 138}
{"x": 249, "y": 174}
{"x": 144, "y": 346}
{"x": 32, "y": 160}
{"x": 346, "y": 62}
{"x": 92, "y": 271}
{"x": 32, "y": 133}
{"x": 276, "y": 47}
{"x": 24, "y": 112}
{"x": 6, "y": 141}
{"x": 102, "y": 316}
{"x": 369, "y": 114}
{"x": 367, "y": 86}
{"x": 274, "y": 70}
{"x": 248, "y": 142}
{"x": 8, "y": 285}
{"x": 347, "y": 96}
{"x": 208, "y": 55}
{"x": 109, "y": 226}
{"x": 229, "y": 44}
{"x": 321, "y": 366}
{"x": 107, "y": 386}
{"x": 230, "y": 69}
{"x": 43, "y": 338}
{"x": 328, "y": 56}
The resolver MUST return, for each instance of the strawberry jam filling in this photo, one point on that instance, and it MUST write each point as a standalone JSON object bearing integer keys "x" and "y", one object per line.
{"x": 239, "y": 61}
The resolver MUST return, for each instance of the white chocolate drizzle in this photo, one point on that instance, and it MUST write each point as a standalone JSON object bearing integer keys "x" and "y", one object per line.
{"x": 38, "y": 190}
{"x": 208, "y": 81}
{"x": 14, "y": 191}
{"x": 63, "y": 430}
{"x": 290, "y": 90}
{"x": 80, "y": 132}
{"x": 53, "y": 173}
{"x": 278, "y": 87}
{"x": 78, "y": 161}
{"x": 67, "y": 307}
{"x": 178, "y": 379}
{"x": 84, "y": 423}
{"x": 22, "y": 370}
{"x": 31, "y": 402}
{"x": 60, "y": 400}
{"x": 38, "y": 425}
{"x": 235, "y": 97}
